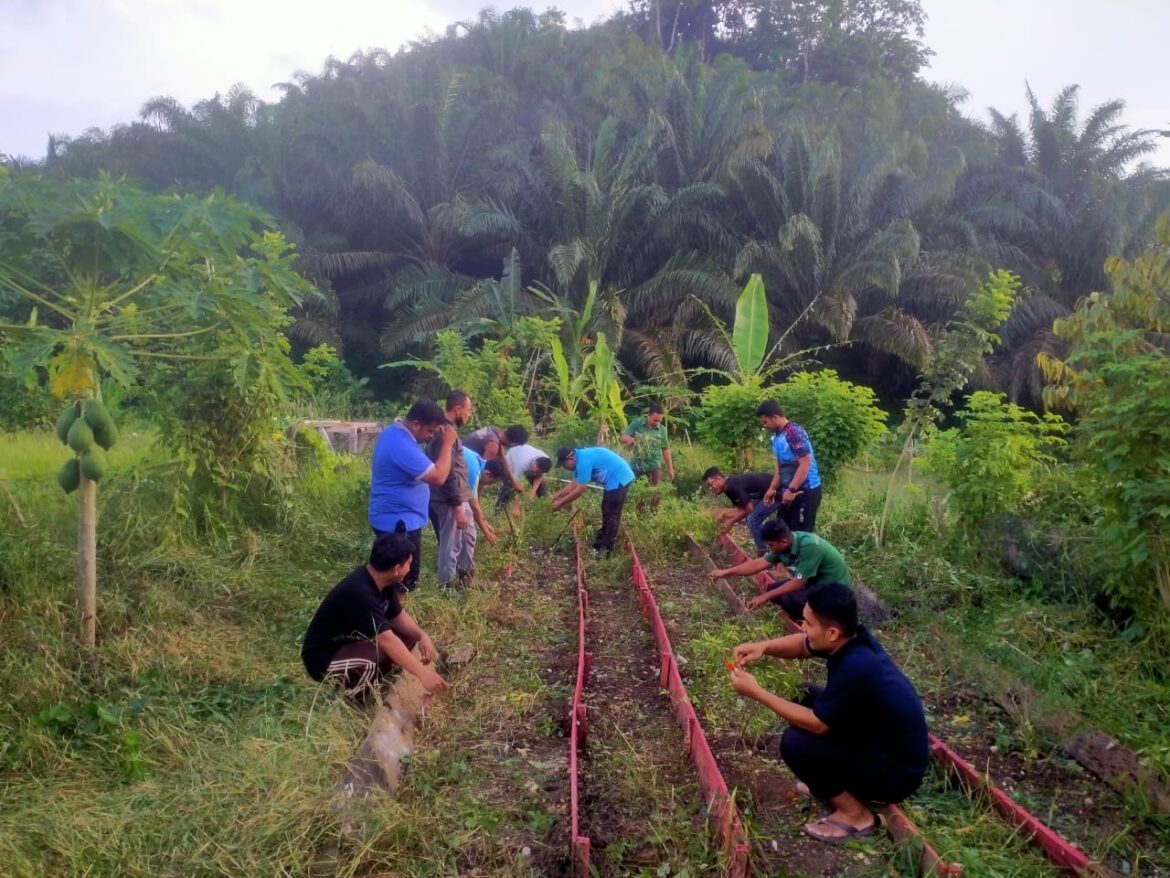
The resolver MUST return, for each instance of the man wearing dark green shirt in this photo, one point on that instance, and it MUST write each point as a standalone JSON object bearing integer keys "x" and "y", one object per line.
{"x": 650, "y": 445}
{"x": 805, "y": 559}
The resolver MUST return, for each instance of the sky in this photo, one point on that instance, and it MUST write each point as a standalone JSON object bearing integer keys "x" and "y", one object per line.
{"x": 68, "y": 65}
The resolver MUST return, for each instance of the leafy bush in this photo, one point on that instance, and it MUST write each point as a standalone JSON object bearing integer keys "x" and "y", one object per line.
{"x": 491, "y": 375}
{"x": 331, "y": 389}
{"x": 24, "y": 404}
{"x": 727, "y": 419}
{"x": 571, "y": 429}
{"x": 841, "y": 418}
{"x": 990, "y": 463}
{"x": 1117, "y": 378}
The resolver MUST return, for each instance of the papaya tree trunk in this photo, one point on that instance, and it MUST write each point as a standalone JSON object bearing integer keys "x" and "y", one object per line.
{"x": 87, "y": 560}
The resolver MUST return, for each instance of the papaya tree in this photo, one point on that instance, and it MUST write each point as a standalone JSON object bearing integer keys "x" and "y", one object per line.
{"x": 106, "y": 279}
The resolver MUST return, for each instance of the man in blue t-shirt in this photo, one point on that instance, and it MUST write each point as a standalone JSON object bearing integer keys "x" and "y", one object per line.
{"x": 401, "y": 476}
{"x": 607, "y": 469}
{"x": 795, "y": 479}
{"x": 476, "y": 466}
{"x": 862, "y": 738}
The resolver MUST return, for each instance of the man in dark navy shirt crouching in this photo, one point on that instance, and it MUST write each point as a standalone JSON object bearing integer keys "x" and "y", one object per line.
{"x": 862, "y": 738}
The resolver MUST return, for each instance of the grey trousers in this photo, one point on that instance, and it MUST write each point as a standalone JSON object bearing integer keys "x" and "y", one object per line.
{"x": 456, "y": 547}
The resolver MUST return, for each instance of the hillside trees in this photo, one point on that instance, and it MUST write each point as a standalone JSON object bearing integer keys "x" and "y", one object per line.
{"x": 824, "y": 163}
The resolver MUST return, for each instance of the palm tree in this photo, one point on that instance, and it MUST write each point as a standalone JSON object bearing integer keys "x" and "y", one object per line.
{"x": 838, "y": 246}
{"x": 1060, "y": 199}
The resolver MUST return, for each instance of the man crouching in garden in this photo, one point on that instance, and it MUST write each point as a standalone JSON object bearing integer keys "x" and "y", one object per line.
{"x": 360, "y": 632}
{"x": 862, "y": 738}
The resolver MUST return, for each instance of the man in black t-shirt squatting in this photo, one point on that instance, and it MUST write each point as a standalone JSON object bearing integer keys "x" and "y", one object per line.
{"x": 862, "y": 738}
{"x": 360, "y": 631}
{"x": 746, "y": 493}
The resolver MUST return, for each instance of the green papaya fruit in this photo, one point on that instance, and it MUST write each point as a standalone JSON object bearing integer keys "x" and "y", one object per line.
{"x": 69, "y": 476}
{"x": 80, "y": 437}
{"x": 93, "y": 464}
{"x": 66, "y": 421}
{"x": 106, "y": 435}
{"x": 95, "y": 413}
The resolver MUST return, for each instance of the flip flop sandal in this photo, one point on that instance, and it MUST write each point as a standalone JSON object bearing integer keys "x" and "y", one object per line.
{"x": 850, "y": 831}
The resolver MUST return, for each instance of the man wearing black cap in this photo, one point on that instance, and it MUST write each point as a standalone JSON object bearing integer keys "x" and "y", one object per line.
{"x": 607, "y": 469}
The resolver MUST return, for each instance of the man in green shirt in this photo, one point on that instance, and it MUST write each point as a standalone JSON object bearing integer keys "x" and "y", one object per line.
{"x": 650, "y": 445}
{"x": 805, "y": 561}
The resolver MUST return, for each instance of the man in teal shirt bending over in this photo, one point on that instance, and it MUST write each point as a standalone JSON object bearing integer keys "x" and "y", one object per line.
{"x": 607, "y": 469}
{"x": 805, "y": 559}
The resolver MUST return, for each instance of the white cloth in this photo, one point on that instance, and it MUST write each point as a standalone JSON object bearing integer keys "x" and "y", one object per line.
{"x": 520, "y": 458}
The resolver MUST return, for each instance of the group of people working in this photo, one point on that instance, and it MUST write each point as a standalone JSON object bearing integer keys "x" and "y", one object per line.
{"x": 859, "y": 740}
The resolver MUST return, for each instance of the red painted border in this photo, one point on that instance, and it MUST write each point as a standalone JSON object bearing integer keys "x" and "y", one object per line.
{"x": 728, "y": 823}
{"x": 578, "y": 725}
{"x": 1059, "y": 851}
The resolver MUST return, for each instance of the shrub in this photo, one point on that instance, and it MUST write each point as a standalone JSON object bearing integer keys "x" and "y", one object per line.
{"x": 727, "y": 419}
{"x": 991, "y": 461}
{"x": 331, "y": 389}
{"x": 841, "y": 418}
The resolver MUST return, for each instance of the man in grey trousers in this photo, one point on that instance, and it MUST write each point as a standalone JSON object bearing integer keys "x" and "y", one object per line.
{"x": 450, "y": 507}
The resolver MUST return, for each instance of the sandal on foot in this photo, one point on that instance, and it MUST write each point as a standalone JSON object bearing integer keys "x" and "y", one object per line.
{"x": 850, "y": 832}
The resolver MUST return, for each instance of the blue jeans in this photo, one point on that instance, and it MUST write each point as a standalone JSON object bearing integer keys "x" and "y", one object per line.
{"x": 755, "y": 522}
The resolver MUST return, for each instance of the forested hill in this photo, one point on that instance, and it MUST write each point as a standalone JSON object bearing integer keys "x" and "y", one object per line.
{"x": 667, "y": 154}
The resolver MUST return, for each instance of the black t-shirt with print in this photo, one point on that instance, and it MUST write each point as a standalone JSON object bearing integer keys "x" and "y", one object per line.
{"x": 355, "y": 609}
{"x": 746, "y": 489}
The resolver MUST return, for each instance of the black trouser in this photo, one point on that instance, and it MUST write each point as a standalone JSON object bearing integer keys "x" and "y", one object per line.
{"x": 415, "y": 537}
{"x": 359, "y": 665}
{"x": 612, "y": 503}
{"x": 793, "y": 602}
{"x": 831, "y": 766}
{"x": 801, "y": 513}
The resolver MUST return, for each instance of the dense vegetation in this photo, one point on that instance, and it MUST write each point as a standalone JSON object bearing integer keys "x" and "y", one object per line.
{"x": 794, "y": 140}
{"x": 707, "y": 204}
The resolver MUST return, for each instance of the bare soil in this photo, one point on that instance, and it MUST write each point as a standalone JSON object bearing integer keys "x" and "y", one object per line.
{"x": 638, "y": 787}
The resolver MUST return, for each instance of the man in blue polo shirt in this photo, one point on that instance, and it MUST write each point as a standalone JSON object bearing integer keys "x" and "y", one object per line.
{"x": 795, "y": 479}
{"x": 607, "y": 469}
{"x": 862, "y": 738}
{"x": 401, "y": 476}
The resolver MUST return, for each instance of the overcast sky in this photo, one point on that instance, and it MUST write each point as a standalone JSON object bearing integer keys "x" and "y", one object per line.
{"x": 67, "y": 65}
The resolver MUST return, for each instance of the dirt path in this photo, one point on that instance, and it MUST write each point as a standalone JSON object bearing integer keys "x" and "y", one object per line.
{"x": 641, "y": 806}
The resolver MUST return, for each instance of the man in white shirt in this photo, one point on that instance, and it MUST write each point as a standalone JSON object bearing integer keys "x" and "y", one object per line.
{"x": 524, "y": 460}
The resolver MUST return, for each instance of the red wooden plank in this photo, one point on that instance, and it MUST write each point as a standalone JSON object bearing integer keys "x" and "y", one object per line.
{"x": 578, "y": 726}
{"x": 728, "y": 823}
{"x": 1060, "y": 852}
